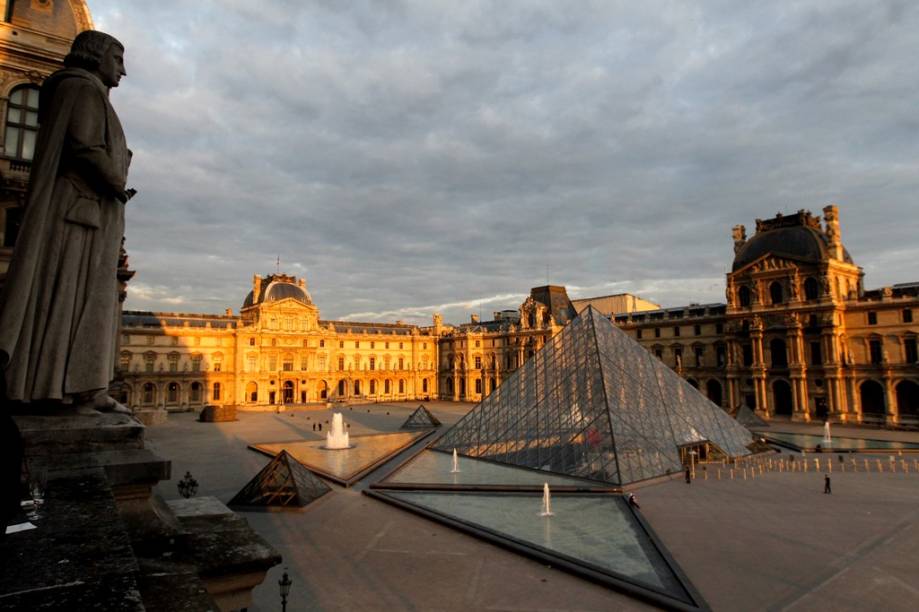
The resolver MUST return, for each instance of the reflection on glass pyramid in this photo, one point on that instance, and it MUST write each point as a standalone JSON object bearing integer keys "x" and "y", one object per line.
{"x": 749, "y": 419}
{"x": 344, "y": 466}
{"x": 593, "y": 403}
{"x": 594, "y": 535}
{"x": 421, "y": 419}
{"x": 283, "y": 483}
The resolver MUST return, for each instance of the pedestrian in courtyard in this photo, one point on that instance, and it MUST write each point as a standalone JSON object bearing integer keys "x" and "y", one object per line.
{"x": 688, "y": 476}
{"x": 826, "y": 484}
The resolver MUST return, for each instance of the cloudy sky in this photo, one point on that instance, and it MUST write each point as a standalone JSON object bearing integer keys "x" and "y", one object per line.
{"x": 416, "y": 156}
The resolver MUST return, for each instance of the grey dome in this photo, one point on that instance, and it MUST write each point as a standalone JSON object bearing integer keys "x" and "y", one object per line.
{"x": 796, "y": 242}
{"x": 277, "y": 291}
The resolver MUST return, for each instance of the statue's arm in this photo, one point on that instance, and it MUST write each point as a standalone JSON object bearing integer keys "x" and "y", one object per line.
{"x": 86, "y": 142}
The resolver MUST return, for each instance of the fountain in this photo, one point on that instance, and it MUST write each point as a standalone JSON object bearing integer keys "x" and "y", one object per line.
{"x": 337, "y": 438}
{"x": 546, "y": 501}
{"x": 827, "y": 438}
{"x": 455, "y": 469}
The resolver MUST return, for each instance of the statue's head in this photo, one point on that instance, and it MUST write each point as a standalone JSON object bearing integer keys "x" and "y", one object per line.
{"x": 99, "y": 53}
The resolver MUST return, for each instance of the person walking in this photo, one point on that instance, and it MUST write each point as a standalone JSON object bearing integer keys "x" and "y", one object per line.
{"x": 826, "y": 484}
{"x": 688, "y": 476}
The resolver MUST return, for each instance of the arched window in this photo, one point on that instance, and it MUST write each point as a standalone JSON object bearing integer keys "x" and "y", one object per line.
{"x": 743, "y": 295}
{"x": 386, "y": 386}
{"x": 908, "y": 399}
{"x": 811, "y": 289}
{"x": 252, "y": 392}
{"x": 373, "y": 387}
{"x": 713, "y": 390}
{"x": 401, "y": 386}
{"x": 341, "y": 388}
{"x": 872, "y": 398}
{"x": 357, "y": 387}
{"x": 196, "y": 392}
{"x": 149, "y": 393}
{"x": 21, "y": 123}
{"x": 424, "y": 385}
{"x": 776, "y": 293}
{"x": 172, "y": 393}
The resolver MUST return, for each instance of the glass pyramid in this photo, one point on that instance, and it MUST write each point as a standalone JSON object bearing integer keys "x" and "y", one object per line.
{"x": 593, "y": 403}
{"x": 284, "y": 482}
{"x": 421, "y": 419}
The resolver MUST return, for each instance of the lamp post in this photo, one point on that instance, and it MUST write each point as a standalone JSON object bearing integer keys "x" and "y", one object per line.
{"x": 284, "y": 585}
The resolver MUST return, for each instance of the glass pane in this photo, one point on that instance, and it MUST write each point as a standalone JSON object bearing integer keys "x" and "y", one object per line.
{"x": 16, "y": 96}
{"x": 32, "y": 119}
{"x": 11, "y": 146}
{"x": 33, "y": 97}
{"x": 28, "y": 144}
{"x": 14, "y": 116}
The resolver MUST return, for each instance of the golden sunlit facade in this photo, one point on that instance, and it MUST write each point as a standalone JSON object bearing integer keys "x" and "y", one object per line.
{"x": 277, "y": 351}
{"x": 34, "y": 38}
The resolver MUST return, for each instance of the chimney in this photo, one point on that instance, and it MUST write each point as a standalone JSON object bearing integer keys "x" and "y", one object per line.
{"x": 474, "y": 319}
{"x": 256, "y": 288}
{"x": 831, "y": 224}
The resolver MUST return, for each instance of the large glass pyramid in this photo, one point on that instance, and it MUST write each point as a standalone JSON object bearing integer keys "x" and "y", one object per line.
{"x": 593, "y": 403}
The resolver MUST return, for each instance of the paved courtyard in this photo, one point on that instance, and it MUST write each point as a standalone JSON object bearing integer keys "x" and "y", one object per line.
{"x": 773, "y": 543}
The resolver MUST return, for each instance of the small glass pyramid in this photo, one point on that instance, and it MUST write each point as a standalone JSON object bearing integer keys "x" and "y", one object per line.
{"x": 421, "y": 419}
{"x": 283, "y": 483}
{"x": 593, "y": 403}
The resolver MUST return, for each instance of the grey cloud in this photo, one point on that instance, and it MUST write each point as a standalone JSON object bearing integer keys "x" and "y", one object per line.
{"x": 412, "y": 153}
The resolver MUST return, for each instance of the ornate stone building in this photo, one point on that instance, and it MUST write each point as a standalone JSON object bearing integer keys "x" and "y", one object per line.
{"x": 276, "y": 351}
{"x": 799, "y": 335}
{"x": 35, "y": 35}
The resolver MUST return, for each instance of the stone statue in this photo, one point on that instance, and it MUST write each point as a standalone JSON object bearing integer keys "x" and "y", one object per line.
{"x": 59, "y": 309}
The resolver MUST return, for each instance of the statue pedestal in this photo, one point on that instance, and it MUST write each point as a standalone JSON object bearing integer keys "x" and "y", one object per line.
{"x": 124, "y": 547}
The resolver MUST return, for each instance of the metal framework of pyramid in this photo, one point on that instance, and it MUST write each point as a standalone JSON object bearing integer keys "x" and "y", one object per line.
{"x": 421, "y": 419}
{"x": 283, "y": 483}
{"x": 595, "y": 404}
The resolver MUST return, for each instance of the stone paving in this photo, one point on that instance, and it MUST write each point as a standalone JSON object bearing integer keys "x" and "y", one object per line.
{"x": 773, "y": 543}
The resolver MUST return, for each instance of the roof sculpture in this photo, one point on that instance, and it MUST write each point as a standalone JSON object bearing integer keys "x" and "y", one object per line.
{"x": 593, "y": 403}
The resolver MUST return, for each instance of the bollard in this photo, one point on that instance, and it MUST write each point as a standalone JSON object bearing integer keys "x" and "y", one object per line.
{"x": 719, "y": 473}
{"x": 880, "y": 466}
{"x": 817, "y": 464}
{"x": 866, "y": 465}
{"x": 732, "y": 473}
{"x": 745, "y": 473}
{"x": 829, "y": 465}
{"x": 704, "y": 474}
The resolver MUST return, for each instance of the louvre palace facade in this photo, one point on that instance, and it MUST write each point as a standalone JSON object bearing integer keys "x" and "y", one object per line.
{"x": 798, "y": 337}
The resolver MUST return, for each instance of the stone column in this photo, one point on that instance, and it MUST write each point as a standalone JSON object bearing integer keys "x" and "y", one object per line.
{"x": 890, "y": 398}
{"x": 759, "y": 372}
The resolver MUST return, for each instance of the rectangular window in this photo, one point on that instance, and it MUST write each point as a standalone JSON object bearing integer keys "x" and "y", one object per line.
{"x": 721, "y": 356}
{"x": 341, "y": 363}
{"x": 638, "y": 334}
{"x": 216, "y": 394}
{"x": 478, "y": 385}
{"x": 373, "y": 362}
{"x": 321, "y": 343}
{"x": 387, "y": 345}
{"x": 357, "y": 344}
{"x": 657, "y": 332}
{"x": 872, "y": 318}
{"x": 676, "y": 331}
{"x": 909, "y": 348}
{"x": 401, "y": 363}
{"x": 748, "y": 355}
{"x": 659, "y": 353}
{"x": 816, "y": 354}
{"x": 478, "y": 362}
{"x": 877, "y": 354}
{"x": 272, "y": 363}
{"x": 341, "y": 344}
{"x": 251, "y": 341}
{"x": 253, "y": 364}
{"x": 907, "y": 315}
{"x": 719, "y": 328}
{"x": 217, "y": 367}
{"x": 148, "y": 367}
{"x": 697, "y": 329}
{"x": 700, "y": 353}
{"x": 400, "y": 345}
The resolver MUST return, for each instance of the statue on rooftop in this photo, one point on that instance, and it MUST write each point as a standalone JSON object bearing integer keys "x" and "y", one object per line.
{"x": 59, "y": 308}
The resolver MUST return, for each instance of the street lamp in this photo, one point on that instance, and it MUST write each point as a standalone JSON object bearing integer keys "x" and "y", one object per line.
{"x": 188, "y": 486}
{"x": 284, "y": 585}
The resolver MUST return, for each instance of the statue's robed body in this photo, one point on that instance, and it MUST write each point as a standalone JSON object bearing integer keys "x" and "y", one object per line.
{"x": 59, "y": 308}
